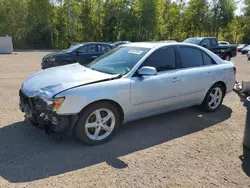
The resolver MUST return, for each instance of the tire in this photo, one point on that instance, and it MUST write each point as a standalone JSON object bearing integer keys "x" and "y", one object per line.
{"x": 211, "y": 107}
{"x": 90, "y": 123}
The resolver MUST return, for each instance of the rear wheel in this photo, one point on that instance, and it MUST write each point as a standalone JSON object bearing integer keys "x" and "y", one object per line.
{"x": 97, "y": 123}
{"x": 213, "y": 98}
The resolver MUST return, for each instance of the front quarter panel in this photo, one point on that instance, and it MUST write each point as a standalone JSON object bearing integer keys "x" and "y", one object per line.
{"x": 77, "y": 98}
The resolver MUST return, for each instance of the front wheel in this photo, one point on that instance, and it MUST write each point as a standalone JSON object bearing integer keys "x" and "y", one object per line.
{"x": 213, "y": 98}
{"x": 97, "y": 123}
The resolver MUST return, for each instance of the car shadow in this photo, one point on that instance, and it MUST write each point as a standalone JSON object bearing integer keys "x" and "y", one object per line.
{"x": 26, "y": 154}
{"x": 245, "y": 158}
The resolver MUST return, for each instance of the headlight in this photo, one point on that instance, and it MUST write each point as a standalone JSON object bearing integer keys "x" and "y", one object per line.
{"x": 54, "y": 103}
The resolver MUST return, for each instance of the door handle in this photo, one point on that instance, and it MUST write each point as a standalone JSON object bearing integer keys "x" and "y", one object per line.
{"x": 209, "y": 74}
{"x": 176, "y": 79}
{"x": 94, "y": 56}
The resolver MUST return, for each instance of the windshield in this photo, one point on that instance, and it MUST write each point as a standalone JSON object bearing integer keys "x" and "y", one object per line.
{"x": 73, "y": 47}
{"x": 192, "y": 40}
{"x": 119, "y": 60}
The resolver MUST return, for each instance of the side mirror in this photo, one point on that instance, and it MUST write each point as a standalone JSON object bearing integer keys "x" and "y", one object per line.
{"x": 147, "y": 70}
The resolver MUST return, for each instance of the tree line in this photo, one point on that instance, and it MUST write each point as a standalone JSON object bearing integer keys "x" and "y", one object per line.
{"x": 40, "y": 24}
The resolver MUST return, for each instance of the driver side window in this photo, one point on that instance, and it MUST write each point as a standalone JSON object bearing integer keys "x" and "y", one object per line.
{"x": 162, "y": 59}
{"x": 206, "y": 42}
{"x": 83, "y": 49}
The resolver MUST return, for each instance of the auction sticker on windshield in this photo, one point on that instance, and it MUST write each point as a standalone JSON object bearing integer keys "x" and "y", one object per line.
{"x": 138, "y": 52}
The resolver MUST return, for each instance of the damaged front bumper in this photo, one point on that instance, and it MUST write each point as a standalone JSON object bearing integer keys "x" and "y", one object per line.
{"x": 39, "y": 115}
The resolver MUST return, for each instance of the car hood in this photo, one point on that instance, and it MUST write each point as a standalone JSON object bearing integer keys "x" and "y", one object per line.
{"x": 49, "y": 82}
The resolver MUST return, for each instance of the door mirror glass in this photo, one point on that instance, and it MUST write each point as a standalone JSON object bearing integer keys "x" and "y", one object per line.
{"x": 147, "y": 70}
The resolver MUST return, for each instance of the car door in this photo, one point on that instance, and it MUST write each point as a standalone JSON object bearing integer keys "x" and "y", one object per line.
{"x": 155, "y": 93}
{"x": 86, "y": 53}
{"x": 198, "y": 71}
{"x": 211, "y": 45}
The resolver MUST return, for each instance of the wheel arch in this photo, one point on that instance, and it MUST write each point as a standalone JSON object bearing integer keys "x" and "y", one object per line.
{"x": 223, "y": 84}
{"x": 114, "y": 103}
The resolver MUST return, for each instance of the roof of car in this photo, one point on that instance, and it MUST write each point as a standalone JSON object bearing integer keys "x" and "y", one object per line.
{"x": 155, "y": 44}
{"x": 145, "y": 44}
{"x": 84, "y": 43}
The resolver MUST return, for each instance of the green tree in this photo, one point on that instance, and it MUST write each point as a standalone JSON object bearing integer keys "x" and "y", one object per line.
{"x": 38, "y": 24}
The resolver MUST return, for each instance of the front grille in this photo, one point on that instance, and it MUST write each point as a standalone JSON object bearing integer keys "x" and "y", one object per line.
{"x": 23, "y": 98}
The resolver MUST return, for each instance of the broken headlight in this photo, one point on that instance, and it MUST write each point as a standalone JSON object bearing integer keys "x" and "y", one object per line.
{"x": 54, "y": 104}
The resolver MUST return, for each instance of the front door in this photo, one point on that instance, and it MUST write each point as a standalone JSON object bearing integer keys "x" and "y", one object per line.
{"x": 86, "y": 53}
{"x": 155, "y": 93}
{"x": 209, "y": 43}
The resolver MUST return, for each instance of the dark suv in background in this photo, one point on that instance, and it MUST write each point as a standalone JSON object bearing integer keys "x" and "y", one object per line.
{"x": 225, "y": 52}
{"x": 82, "y": 53}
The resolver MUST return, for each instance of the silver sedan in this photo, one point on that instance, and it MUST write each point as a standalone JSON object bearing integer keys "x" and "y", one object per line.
{"x": 130, "y": 82}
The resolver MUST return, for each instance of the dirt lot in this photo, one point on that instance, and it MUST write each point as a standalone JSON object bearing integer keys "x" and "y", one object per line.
{"x": 186, "y": 148}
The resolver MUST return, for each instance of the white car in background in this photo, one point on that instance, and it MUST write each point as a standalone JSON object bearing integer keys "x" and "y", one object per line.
{"x": 130, "y": 82}
{"x": 223, "y": 43}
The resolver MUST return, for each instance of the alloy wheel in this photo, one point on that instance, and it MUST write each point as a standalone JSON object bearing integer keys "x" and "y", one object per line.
{"x": 100, "y": 124}
{"x": 215, "y": 98}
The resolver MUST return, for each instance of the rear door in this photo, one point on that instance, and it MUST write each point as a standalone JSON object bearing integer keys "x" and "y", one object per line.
{"x": 86, "y": 53}
{"x": 198, "y": 70}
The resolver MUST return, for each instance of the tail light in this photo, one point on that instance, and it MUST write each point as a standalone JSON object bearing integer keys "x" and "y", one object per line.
{"x": 234, "y": 70}
{"x": 234, "y": 73}
{"x": 236, "y": 51}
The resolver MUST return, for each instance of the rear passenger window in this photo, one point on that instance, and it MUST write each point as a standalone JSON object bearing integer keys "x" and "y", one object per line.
{"x": 190, "y": 57}
{"x": 162, "y": 59}
{"x": 207, "y": 60}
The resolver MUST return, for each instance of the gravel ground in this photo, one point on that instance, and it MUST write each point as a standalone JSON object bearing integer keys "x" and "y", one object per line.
{"x": 186, "y": 148}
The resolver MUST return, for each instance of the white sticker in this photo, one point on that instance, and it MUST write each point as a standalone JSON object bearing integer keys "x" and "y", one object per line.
{"x": 138, "y": 52}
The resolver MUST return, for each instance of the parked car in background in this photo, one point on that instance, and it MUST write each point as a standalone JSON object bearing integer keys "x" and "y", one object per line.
{"x": 168, "y": 41}
{"x": 245, "y": 50}
{"x": 225, "y": 52}
{"x": 248, "y": 55}
{"x": 118, "y": 43}
{"x": 241, "y": 46}
{"x": 223, "y": 43}
{"x": 130, "y": 82}
{"x": 82, "y": 53}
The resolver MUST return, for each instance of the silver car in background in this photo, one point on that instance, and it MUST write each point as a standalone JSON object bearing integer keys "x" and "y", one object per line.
{"x": 130, "y": 82}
